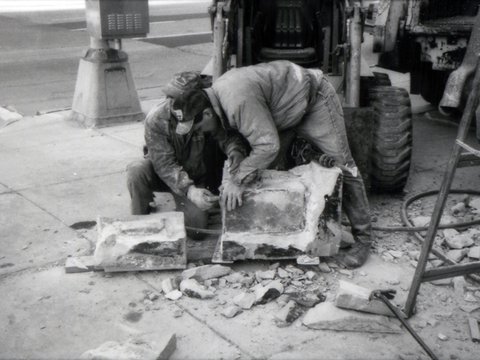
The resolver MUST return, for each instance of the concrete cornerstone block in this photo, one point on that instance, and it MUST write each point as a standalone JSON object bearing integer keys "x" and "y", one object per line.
{"x": 146, "y": 242}
{"x": 351, "y": 296}
{"x": 284, "y": 215}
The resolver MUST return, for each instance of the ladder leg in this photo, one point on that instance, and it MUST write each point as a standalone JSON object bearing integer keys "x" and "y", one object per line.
{"x": 467, "y": 116}
{"x": 431, "y": 232}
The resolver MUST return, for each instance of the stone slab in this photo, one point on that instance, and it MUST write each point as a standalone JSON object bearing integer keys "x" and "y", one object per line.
{"x": 354, "y": 297}
{"x": 149, "y": 242}
{"x": 285, "y": 215}
{"x": 326, "y": 316}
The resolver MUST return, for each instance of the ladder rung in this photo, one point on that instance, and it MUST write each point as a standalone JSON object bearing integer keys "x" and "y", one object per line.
{"x": 467, "y": 147}
{"x": 445, "y": 272}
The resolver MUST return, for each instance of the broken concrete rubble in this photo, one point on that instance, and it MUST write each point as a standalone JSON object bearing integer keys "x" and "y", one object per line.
{"x": 80, "y": 264}
{"x": 206, "y": 272}
{"x": 459, "y": 241}
{"x": 457, "y": 255}
{"x": 306, "y": 260}
{"x": 168, "y": 285}
{"x": 192, "y": 288}
{"x": 474, "y": 252}
{"x": 265, "y": 275}
{"x": 307, "y": 298}
{"x": 264, "y": 294}
{"x": 231, "y": 311}
{"x": 283, "y": 274}
{"x": 323, "y": 267}
{"x": 326, "y": 316}
{"x": 244, "y": 300}
{"x": 174, "y": 295}
{"x": 134, "y": 349}
{"x": 148, "y": 242}
{"x": 284, "y": 216}
{"x": 288, "y": 314}
{"x": 354, "y": 297}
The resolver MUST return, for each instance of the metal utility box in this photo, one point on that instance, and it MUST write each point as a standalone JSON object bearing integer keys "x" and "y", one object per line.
{"x": 115, "y": 19}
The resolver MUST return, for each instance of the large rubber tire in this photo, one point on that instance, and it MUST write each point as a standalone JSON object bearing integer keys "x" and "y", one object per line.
{"x": 392, "y": 138}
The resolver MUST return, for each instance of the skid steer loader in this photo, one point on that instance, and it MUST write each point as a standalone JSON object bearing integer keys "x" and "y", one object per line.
{"x": 325, "y": 34}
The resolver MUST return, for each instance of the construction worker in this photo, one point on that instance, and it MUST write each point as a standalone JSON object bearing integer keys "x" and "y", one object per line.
{"x": 186, "y": 165}
{"x": 260, "y": 101}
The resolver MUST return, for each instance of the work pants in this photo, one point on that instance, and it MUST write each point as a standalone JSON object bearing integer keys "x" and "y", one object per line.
{"x": 142, "y": 181}
{"x": 324, "y": 127}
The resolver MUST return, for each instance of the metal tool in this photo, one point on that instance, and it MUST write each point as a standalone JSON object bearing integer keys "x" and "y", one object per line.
{"x": 386, "y": 296}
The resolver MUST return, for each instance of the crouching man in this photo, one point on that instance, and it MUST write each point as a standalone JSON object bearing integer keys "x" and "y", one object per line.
{"x": 259, "y": 102}
{"x": 183, "y": 162}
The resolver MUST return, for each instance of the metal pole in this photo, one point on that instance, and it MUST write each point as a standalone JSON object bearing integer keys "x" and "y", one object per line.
{"x": 378, "y": 294}
{"x": 218, "y": 37}
{"x": 353, "y": 70}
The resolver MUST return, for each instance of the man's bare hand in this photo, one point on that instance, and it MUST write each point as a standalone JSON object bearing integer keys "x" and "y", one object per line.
{"x": 234, "y": 160}
{"x": 232, "y": 195}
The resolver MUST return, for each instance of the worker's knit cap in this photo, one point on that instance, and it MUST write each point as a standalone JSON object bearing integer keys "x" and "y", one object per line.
{"x": 191, "y": 104}
{"x": 184, "y": 81}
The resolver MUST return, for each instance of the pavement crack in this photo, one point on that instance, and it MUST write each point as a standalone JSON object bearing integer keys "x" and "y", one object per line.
{"x": 215, "y": 331}
{"x": 80, "y": 234}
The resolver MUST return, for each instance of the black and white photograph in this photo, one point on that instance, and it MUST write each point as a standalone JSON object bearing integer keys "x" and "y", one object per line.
{"x": 240, "y": 179}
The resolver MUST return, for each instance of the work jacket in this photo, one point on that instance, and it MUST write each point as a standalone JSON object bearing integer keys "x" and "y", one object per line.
{"x": 179, "y": 160}
{"x": 259, "y": 101}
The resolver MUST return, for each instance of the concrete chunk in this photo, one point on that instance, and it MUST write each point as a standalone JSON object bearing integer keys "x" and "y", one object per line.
{"x": 244, "y": 300}
{"x": 264, "y": 294}
{"x": 265, "y": 275}
{"x": 308, "y": 260}
{"x": 231, "y": 311}
{"x": 457, "y": 255}
{"x": 474, "y": 252}
{"x": 168, "y": 285}
{"x": 79, "y": 264}
{"x": 174, "y": 295}
{"x": 134, "y": 349}
{"x": 474, "y": 330}
{"x": 148, "y": 242}
{"x": 206, "y": 272}
{"x": 459, "y": 241}
{"x": 288, "y": 314}
{"x": 354, "y": 297}
{"x": 192, "y": 288}
{"x": 326, "y": 316}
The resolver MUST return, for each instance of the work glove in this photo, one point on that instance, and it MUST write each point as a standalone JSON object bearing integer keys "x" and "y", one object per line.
{"x": 232, "y": 195}
{"x": 202, "y": 198}
{"x": 234, "y": 160}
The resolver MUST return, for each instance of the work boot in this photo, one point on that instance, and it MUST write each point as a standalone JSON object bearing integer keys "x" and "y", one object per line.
{"x": 356, "y": 256}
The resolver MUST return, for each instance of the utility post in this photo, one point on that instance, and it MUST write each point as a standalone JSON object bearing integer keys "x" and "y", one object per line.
{"x": 105, "y": 93}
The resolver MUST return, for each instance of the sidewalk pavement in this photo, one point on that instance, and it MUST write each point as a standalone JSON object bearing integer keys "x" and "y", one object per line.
{"x": 54, "y": 174}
